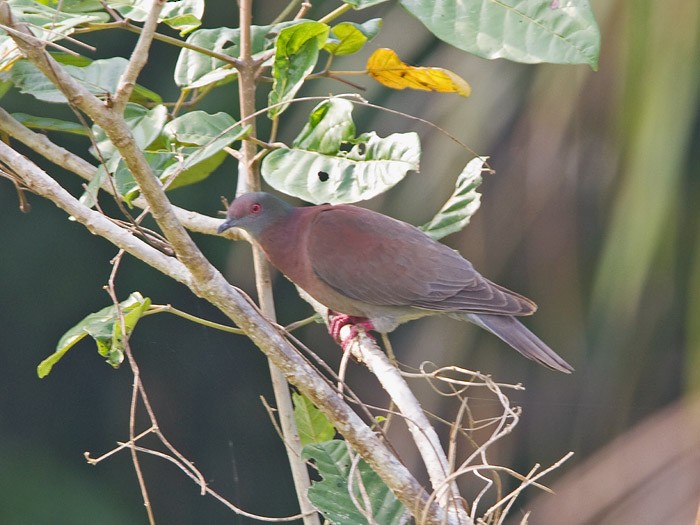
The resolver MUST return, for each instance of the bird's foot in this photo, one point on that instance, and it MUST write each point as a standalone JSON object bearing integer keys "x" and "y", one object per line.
{"x": 337, "y": 321}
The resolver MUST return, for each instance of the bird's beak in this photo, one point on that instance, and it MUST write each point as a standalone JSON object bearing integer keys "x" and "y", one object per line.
{"x": 228, "y": 223}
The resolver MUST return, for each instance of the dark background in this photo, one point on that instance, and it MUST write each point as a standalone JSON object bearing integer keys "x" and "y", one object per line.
{"x": 592, "y": 212}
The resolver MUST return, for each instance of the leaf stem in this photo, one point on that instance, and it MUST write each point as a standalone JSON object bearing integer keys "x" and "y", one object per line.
{"x": 159, "y": 308}
{"x": 335, "y": 13}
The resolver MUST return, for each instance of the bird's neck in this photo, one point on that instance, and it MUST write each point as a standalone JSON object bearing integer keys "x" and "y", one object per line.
{"x": 285, "y": 242}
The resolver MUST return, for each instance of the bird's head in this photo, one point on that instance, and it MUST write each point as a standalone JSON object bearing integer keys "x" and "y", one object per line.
{"x": 255, "y": 212}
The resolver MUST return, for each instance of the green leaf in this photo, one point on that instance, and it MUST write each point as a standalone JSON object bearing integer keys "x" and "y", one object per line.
{"x": 318, "y": 169}
{"x": 330, "y": 126}
{"x": 100, "y": 78}
{"x": 194, "y": 142}
{"x": 144, "y": 96}
{"x": 89, "y": 196}
{"x": 296, "y": 55}
{"x": 182, "y": 15}
{"x": 313, "y": 425}
{"x": 348, "y": 37}
{"x": 105, "y": 328}
{"x": 211, "y": 133}
{"x": 527, "y": 31}
{"x": 124, "y": 180}
{"x": 197, "y": 165}
{"x": 201, "y": 128}
{"x": 462, "y": 204}
{"x": 50, "y": 124}
{"x": 73, "y": 6}
{"x": 5, "y": 86}
{"x": 362, "y": 4}
{"x": 332, "y": 497}
{"x": 196, "y": 70}
{"x": 146, "y": 126}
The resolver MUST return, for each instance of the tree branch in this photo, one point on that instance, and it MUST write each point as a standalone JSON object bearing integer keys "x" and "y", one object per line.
{"x": 195, "y": 271}
{"x": 139, "y": 57}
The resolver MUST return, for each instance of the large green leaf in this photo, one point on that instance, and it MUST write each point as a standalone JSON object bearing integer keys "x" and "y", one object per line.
{"x": 196, "y": 70}
{"x": 347, "y": 37}
{"x": 201, "y": 128}
{"x": 317, "y": 168}
{"x": 100, "y": 77}
{"x": 462, "y": 204}
{"x": 187, "y": 151}
{"x": 530, "y": 31}
{"x": 313, "y": 425}
{"x": 105, "y": 328}
{"x": 331, "y": 496}
{"x": 296, "y": 54}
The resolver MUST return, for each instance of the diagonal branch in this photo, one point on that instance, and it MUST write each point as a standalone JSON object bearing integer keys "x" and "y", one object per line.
{"x": 193, "y": 269}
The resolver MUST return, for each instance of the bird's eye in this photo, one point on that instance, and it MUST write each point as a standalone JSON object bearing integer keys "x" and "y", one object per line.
{"x": 255, "y": 208}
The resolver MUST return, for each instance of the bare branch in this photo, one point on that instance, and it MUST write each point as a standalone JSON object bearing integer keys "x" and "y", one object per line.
{"x": 139, "y": 57}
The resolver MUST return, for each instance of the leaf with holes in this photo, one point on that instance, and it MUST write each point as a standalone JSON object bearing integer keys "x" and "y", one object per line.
{"x": 330, "y": 126}
{"x": 196, "y": 70}
{"x": 332, "y": 495}
{"x": 385, "y": 67}
{"x": 327, "y": 163}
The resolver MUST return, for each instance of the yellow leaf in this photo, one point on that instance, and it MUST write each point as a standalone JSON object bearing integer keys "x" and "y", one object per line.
{"x": 386, "y": 68}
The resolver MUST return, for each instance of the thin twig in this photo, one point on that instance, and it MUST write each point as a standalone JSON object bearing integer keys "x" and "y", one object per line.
{"x": 216, "y": 495}
{"x": 156, "y": 309}
{"x": 135, "y": 389}
{"x": 291, "y": 6}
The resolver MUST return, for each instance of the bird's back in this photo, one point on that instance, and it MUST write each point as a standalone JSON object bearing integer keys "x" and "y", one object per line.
{"x": 378, "y": 260}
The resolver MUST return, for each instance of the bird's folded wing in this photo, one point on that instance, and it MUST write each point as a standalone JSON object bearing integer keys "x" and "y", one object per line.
{"x": 381, "y": 261}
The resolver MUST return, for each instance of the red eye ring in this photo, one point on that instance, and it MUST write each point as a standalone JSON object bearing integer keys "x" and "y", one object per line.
{"x": 255, "y": 208}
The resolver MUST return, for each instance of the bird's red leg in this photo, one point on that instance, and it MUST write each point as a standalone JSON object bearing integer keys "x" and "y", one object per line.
{"x": 337, "y": 321}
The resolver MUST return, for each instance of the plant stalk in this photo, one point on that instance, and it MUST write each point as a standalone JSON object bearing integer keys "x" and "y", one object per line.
{"x": 249, "y": 180}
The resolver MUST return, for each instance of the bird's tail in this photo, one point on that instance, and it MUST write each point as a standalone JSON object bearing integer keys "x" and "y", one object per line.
{"x": 516, "y": 334}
